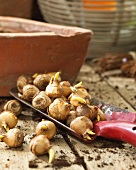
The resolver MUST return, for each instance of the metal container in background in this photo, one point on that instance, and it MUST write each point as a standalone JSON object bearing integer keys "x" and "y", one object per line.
{"x": 113, "y": 22}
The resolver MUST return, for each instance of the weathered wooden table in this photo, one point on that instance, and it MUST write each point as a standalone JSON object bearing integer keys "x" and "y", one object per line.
{"x": 71, "y": 154}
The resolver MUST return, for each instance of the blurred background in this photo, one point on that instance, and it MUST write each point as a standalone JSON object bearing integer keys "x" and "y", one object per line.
{"x": 25, "y": 9}
{"x": 113, "y": 23}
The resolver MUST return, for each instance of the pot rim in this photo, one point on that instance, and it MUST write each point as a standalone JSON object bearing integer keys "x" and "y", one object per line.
{"x": 37, "y": 28}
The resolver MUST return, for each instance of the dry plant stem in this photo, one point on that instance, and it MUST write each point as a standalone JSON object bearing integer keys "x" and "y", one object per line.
{"x": 110, "y": 62}
{"x": 129, "y": 69}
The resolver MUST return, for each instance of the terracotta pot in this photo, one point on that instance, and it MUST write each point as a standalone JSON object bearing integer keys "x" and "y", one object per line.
{"x": 28, "y": 47}
{"x": 16, "y": 8}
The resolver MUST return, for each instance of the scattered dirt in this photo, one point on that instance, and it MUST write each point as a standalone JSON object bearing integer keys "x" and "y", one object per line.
{"x": 79, "y": 159}
{"x": 109, "y": 143}
{"x": 33, "y": 164}
{"x": 61, "y": 163}
{"x": 102, "y": 146}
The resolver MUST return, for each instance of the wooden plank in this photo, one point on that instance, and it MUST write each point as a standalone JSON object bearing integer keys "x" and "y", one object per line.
{"x": 22, "y": 158}
{"x": 106, "y": 154}
{"x": 69, "y": 152}
{"x": 126, "y": 87}
{"x": 99, "y": 88}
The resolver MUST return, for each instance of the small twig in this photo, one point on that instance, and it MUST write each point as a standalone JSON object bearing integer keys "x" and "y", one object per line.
{"x": 129, "y": 68}
{"x": 111, "y": 62}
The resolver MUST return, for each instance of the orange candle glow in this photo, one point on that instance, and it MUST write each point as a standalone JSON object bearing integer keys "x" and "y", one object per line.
{"x": 99, "y": 5}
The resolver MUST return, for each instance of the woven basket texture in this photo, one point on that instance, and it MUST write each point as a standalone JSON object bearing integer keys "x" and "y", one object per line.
{"x": 113, "y": 22}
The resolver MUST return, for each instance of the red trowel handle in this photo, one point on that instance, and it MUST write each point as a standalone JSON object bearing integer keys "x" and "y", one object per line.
{"x": 119, "y": 130}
